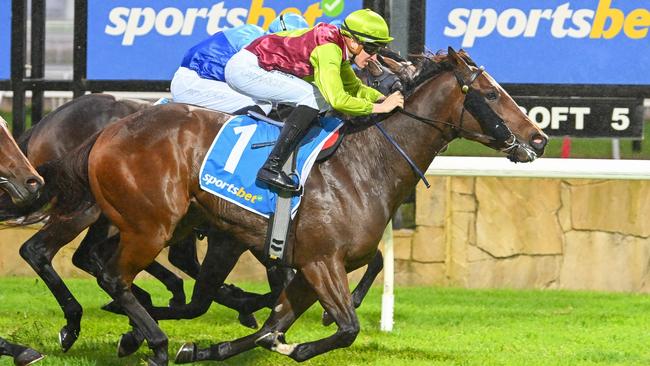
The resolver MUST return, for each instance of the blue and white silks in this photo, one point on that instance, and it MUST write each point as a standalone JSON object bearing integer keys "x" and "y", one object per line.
{"x": 230, "y": 167}
{"x": 209, "y": 57}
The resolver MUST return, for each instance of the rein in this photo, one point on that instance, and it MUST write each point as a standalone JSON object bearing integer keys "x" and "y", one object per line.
{"x": 474, "y": 103}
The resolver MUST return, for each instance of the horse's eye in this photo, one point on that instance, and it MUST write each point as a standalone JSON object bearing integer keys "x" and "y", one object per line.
{"x": 491, "y": 96}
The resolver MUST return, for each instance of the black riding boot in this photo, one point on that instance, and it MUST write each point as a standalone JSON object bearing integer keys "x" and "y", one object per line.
{"x": 295, "y": 128}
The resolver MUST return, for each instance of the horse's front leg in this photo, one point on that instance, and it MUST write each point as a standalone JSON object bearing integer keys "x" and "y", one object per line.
{"x": 297, "y": 297}
{"x": 328, "y": 278}
{"x": 360, "y": 292}
{"x": 39, "y": 250}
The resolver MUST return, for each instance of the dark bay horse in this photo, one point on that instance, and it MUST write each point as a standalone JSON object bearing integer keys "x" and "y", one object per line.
{"x": 22, "y": 183}
{"x": 143, "y": 174}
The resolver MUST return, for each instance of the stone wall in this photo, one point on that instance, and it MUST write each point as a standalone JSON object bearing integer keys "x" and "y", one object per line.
{"x": 493, "y": 232}
{"x": 528, "y": 233}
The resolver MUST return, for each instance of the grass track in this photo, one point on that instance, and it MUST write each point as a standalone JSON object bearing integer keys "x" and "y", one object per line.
{"x": 433, "y": 326}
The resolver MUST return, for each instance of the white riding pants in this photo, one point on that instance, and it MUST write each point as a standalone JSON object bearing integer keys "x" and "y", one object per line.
{"x": 244, "y": 75}
{"x": 188, "y": 87}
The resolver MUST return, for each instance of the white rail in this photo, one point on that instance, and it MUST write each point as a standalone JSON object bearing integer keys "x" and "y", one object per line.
{"x": 541, "y": 168}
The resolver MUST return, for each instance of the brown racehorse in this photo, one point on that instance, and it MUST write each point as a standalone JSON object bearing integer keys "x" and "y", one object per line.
{"x": 59, "y": 132}
{"x": 143, "y": 173}
{"x": 65, "y": 129}
{"x": 19, "y": 179}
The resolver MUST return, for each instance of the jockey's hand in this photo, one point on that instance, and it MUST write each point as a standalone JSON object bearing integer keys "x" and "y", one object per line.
{"x": 389, "y": 103}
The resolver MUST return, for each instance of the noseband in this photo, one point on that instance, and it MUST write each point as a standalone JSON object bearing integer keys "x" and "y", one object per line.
{"x": 490, "y": 122}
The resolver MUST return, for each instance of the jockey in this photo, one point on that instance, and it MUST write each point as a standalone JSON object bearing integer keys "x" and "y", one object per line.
{"x": 200, "y": 79}
{"x": 311, "y": 69}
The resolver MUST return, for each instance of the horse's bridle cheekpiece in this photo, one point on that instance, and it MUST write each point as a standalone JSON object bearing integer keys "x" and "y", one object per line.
{"x": 497, "y": 134}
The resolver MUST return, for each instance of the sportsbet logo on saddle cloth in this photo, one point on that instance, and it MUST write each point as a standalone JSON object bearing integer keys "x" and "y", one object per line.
{"x": 231, "y": 164}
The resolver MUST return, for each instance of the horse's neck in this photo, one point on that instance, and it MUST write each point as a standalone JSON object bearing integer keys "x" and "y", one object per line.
{"x": 381, "y": 163}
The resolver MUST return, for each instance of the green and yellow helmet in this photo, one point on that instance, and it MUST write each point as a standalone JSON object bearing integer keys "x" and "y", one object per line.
{"x": 366, "y": 26}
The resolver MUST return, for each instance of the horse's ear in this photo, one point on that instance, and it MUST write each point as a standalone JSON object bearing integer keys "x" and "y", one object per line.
{"x": 455, "y": 58}
{"x": 374, "y": 67}
{"x": 393, "y": 65}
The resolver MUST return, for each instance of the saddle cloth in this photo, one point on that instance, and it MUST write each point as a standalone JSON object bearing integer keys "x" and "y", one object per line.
{"x": 231, "y": 164}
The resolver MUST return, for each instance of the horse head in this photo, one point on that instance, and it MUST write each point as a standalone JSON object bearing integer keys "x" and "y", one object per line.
{"x": 489, "y": 115}
{"x": 380, "y": 77}
{"x": 17, "y": 176}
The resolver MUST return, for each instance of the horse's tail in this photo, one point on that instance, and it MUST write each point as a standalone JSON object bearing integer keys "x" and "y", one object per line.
{"x": 66, "y": 179}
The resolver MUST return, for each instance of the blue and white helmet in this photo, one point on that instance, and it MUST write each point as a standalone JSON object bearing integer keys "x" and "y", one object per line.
{"x": 287, "y": 21}
{"x": 337, "y": 23}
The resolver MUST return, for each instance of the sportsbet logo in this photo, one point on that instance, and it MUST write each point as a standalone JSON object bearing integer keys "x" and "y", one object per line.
{"x": 606, "y": 22}
{"x": 230, "y": 188}
{"x": 131, "y": 23}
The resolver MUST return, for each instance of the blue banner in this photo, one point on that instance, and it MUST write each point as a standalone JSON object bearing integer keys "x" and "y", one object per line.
{"x": 146, "y": 39}
{"x": 5, "y": 39}
{"x": 548, "y": 41}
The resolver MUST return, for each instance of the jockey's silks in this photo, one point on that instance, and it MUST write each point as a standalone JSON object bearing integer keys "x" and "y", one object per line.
{"x": 317, "y": 55}
{"x": 209, "y": 57}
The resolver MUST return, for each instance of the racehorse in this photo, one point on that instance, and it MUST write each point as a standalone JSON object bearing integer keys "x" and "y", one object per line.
{"x": 63, "y": 130}
{"x": 153, "y": 197}
{"x": 59, "y": 132}
{"x": 22, "y": 183}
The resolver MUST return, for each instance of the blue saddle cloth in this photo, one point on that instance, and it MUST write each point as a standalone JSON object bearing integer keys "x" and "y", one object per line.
{"x": 230, "y": 167}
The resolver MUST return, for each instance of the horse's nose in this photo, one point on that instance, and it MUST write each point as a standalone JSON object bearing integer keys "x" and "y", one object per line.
{"x": 538, "y": 142}
{"x": 33, "y": 184}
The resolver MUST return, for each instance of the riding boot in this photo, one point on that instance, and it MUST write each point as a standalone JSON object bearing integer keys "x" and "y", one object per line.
{"x": 295, "y": 128}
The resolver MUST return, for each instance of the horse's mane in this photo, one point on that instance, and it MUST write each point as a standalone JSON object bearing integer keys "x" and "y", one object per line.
{"x": 430, "y": 65}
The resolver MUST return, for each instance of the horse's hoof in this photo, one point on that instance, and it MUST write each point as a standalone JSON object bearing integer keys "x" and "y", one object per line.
{"x": 248, "y": 320}
{"x": 129, "y": 343}
{"x": 113, "y": 307}
{"x": 186, "y": 354}
{"x": 327, "y": 319}
{"x": 28, "y": 357}
{"x": 67, "y": 338}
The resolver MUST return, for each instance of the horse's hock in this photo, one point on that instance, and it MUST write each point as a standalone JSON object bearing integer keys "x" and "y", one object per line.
{"x": 492, "y": 232}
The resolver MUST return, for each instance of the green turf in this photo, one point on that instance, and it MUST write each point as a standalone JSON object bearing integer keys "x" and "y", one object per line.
{"x": 433, "y": 326}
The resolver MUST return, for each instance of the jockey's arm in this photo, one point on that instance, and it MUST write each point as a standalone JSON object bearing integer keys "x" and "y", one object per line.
{"x": 344, "y": 94}
{"x": 353, "y": 85}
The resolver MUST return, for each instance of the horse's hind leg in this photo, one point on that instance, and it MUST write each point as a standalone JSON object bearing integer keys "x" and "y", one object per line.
{"x": 297, "y": 297}
{"x": 22, "y": 355}
{"x": 360, "y": 292}
{"x": 218, "y": 263}
{"x": 184, "y": 257}
{"x": 133, "y": 254}
{"x": 172, "y": 282}
{"x": 39, "y": 250}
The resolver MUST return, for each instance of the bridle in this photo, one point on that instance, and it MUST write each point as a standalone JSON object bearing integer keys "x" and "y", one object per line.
{"x": 500, "y": 137}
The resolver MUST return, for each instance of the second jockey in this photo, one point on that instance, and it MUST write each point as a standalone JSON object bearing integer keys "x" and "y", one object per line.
{"x": 311, "y": 69}
{"x": 200, "y": 79}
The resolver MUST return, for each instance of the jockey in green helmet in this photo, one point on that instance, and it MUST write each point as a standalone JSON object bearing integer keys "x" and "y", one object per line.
{"x": 311, "y": 69}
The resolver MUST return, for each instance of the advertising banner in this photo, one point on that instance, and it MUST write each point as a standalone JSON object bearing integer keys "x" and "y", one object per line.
{"x": 144, "y": 39}
{"x": 5, "y": 39}
{"x": 547, "y": 41}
